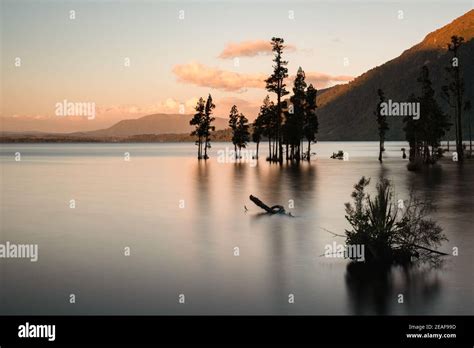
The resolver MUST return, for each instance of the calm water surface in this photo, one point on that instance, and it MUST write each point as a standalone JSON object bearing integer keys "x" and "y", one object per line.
{"x": 190, "y": 250}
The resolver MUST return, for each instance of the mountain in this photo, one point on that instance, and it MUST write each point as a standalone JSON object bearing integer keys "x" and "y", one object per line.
{"x": 346, "y": 111}
{"x": 150, "y": 124}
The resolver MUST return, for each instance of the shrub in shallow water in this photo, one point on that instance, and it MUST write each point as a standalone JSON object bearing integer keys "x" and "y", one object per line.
{"x": 390, "y": 232}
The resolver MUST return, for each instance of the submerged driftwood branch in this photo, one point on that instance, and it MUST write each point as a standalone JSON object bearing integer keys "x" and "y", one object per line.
{"x": 430, "y": 250}
{"x": 414, "y": 245}
{"x": 276, "y": 209}
{"x": 333, "y": 233}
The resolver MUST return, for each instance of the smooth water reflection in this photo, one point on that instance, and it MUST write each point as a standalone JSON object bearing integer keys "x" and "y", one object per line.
{"x": 183, "y": 218}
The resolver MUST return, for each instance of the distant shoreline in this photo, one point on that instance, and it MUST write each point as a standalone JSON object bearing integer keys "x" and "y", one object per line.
{"x": 220, "y": 136}
{"x": 217, "y": 137}
{"x": 32, "y": 140}
{"x": 88, "y": 141}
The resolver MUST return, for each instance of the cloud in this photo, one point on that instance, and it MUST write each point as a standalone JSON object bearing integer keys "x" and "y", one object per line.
{"x": 322, "y": 80}
{"x": 250, "y": 49}
{"x": 249, "y": 107}
{"x": 167, "y": 106}
{"x": 230, "y": 81}
{"x": 106, "y": 116}
{"x": 204, "y": 76}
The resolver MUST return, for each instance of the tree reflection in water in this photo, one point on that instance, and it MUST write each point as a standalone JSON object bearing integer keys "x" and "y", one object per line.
{"x": 375, "y": 288}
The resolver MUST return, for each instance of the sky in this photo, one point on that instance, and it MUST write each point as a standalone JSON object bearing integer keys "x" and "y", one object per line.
{"x": 133, "y": 58}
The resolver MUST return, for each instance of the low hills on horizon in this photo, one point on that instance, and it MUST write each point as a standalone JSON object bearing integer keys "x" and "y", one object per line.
{"x": 149, "y": 128}
{"x": 152, "y": 124}
{"x": 345, "y": 112}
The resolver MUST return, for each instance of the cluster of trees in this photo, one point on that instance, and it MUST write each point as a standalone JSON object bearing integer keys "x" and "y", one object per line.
{"x": 290, "y": 121}
{"x": 453, "y": 93}
{"x": 285, "y": 123}
{"x": 202, "y": 120}
{"x": 265, "y": 125}
{"x": 425, "y": 134}
{"x": 238, "y": 123}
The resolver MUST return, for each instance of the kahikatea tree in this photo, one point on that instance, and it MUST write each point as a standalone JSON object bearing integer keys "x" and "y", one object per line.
{"x": 310, "y": 121}
{"x": 467, "y": 108}
{"x": 197, "y": 122}
{"x": 294, "y": 117}
{"x": 424, "y": 135}
{"x": 207, "y": 126}
{"x": 233, "y": 120}
{"x": 382, "y": 123}
{"x": 242, "y": 135}
{"x": 267, "y": 120}
{"x": 455, "y": 90}
{"x": 275, "y": 84}
{"x": 258, "y": 127}
{"x": 202, "y": 121}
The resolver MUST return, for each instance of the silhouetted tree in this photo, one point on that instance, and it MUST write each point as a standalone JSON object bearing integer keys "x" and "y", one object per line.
{"x": 207, "y": 126}
{"x": 268, "y": 122}
{"x": 275, "y": 84}
{"x": 424, "y": 135}
{"x": 293, "y": 128}
{"x": 391, "y": 235}
{"x": 467, "y": 108}
{"x": 257, "y": 130}
{"x": 413, "y": 134}
{"x": 197, "y": 121}
{"x": 242, "y": 133}
{"x": 455, "y": 90}
{"x": 382, "y": 123}
{"x": 233, "y": 120}
{"x": 310, "y": 122}
{"x": 436, "y": 122}
{"x": 446, "y": 95}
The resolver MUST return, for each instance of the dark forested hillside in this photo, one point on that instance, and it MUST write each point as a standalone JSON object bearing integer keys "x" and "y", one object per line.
{"x": 346, "y": 111}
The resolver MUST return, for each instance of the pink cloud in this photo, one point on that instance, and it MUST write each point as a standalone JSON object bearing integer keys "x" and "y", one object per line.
{"x": 106, "y": 116}
{"x": 249, "y": 107}
{"x": 166, "y": 106}
{"x": 250, "y": 49}
{"x": 204, "y": 76}
{"x": 322, "y": 80}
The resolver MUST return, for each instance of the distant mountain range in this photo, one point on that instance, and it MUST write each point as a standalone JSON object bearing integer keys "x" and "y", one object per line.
{"x": 151, "y": 124}
{"x": 345, "y": 111}
{"x": 150, "y": 128}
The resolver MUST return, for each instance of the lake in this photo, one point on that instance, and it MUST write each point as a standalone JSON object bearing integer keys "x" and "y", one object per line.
{"x": 183, "y": 219}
